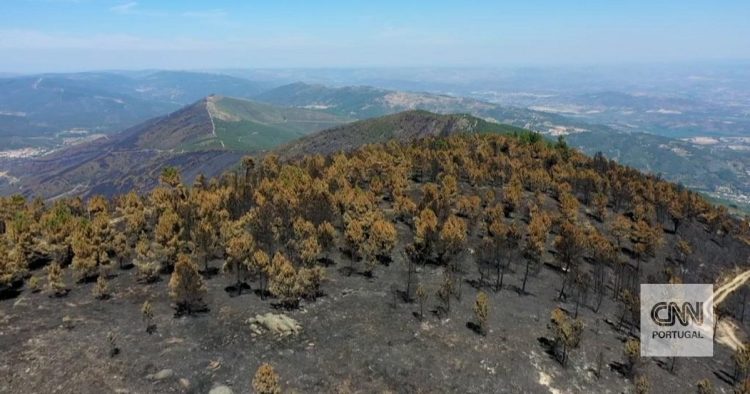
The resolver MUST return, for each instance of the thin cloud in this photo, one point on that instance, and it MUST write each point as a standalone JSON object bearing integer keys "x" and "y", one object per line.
{"x": 124, "y": 8}
{"x": 209, "y": 14}
{"x": 34, "y": 39}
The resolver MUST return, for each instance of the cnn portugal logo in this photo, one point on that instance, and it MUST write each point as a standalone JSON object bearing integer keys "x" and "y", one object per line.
{"x": 677, "y": 320}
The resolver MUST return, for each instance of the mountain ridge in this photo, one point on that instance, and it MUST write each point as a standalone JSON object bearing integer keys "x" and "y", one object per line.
{"x": 45, "y": 110}
{"x": 402, "y": 127}
{"x": 207, "y": 137}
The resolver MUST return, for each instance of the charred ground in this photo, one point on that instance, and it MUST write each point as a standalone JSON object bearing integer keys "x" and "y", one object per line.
{"x": 441, "y": 211}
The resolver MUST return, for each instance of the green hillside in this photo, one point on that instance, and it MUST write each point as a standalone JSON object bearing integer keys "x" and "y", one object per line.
{"x": 701, "y": 168}
{"x": 352, "y": 101}
{"x": 205, "y": 137}
{"x": 47, "y": 110}
{"x": 251, "y": 126}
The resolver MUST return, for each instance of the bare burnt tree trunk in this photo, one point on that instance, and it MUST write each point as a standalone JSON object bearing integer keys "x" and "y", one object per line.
{"x": 600, "y": 285}
{"x": 263, "y": 286}
{"x": 500, "y": 275}
{"x": 525, "y": 276}
{"x": 409, "y": 275}
{"x": 562, "y": 289}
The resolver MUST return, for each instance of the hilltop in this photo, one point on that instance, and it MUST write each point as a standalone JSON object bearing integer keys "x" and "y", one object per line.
{"x": 720, "y": 169}
{"x": 402, "y": 127}
{"x": 206, "y": 137}
{"x": 49, "y": 110}
{"x": 226, "y": 123}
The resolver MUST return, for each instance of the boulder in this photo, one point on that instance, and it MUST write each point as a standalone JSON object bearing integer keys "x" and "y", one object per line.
{"x": 221, "y": 389}
{"x": 279, "y": 324}
{"x": 161, "y": 375}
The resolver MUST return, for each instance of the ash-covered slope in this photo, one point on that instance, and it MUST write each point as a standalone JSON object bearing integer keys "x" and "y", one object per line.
{"x": 404, "y": 126}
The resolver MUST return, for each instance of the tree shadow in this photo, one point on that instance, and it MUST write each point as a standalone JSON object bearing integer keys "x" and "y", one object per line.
{"x": 477, "y": 284}
{"x": 314, "y": 297}
{"x": 628, "y": 252}
{"x": 263, "y": 294}
{"x": 184, "y": 310}
{"x": 403, "y": 296}
{"x": 667, "y": 366}
{"x": 554, "y": 267}
{"x": 166, "y": 270}
{"x": 60, "y": 294}
{"x": 520, "y": 292}
{"x": 88, "y": 279}
{"x": 620, "y": 368}
{"x": 440, "y": 312}
{"x": 384, "y": 260}
{"x": 38, "y": 263}
{"x": 286, "y": 305}
{"x": 475, "y": 327}
{"x": 10, "y": 292}
{"x": 549, "y": 346}
{"x": 149, "y": 280}
{"x": 235, "y": 291}
{"x": 210, "y": 272}
{"x": 725, "y": 377}
{"x": 346, "y": 271}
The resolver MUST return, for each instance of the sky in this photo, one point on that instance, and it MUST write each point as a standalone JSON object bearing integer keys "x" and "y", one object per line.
{"x": 77, "y": 35}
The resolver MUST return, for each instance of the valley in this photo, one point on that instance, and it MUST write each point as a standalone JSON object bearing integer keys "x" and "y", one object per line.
{"x": 207, "y": 137}
{"x": 712, "y": 163}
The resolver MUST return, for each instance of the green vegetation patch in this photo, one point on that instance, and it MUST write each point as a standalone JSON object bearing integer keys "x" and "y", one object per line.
{"x": 252, "y": 136}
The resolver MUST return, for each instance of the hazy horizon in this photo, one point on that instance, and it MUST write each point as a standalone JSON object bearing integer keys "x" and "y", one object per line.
{"x": 82, "y": 35}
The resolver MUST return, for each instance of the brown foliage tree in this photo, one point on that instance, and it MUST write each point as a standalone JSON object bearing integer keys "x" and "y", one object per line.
{"x": 266, "y": 381}
{"x": 239, "y": 249}
{"x": 452, "y": 239}
{"x": 481, "y": 311}
{"x": 168, "y": 236}
{"x": 326, "y": 237}
{"x": 284, "y": 280}
{"x": 536, "y": 241}
{"x": 632, "y": 352}
{"x": 186, "y": 287}
{"x": 55, "y": 280}
{"x": 566, "y": 331}
{"x": 309, "y": 281}
{"x": 570, "y": 245}
{"x": 146, "y": 261}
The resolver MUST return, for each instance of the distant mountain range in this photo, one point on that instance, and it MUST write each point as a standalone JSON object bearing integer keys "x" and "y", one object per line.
{"x": 47, "y": 110}
{"x": 363, "y": 102}
{"x": 73, "y": 111}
